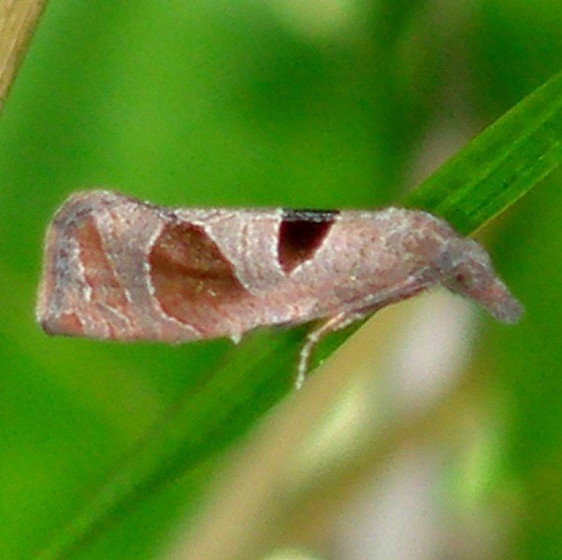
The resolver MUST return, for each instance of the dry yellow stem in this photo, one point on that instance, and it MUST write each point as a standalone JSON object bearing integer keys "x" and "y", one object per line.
{"x": 18, "y": 20}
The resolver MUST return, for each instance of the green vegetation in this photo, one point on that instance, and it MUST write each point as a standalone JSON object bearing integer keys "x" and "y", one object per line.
{"x": 105, "y": 446}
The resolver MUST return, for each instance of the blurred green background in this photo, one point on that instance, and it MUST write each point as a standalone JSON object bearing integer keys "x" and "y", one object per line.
{"x": 327, "y": 104}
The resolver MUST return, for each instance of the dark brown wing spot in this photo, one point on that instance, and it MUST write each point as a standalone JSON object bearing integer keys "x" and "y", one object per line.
{"x": 98, "y": 270}
{"x": 301, "y": 233}
{"x": 190, "y": 276}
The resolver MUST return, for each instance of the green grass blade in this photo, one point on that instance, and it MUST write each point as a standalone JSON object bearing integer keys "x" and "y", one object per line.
{"x": 500, "y": 165}
{"x": 483, "y": 179}
{"x": 256, "y": 376}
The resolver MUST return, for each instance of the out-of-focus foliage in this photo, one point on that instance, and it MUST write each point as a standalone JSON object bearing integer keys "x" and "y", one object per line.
{"x": 323, "y": 104}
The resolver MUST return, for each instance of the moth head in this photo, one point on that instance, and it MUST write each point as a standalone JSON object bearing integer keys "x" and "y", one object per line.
{"x": 466, "y": 268}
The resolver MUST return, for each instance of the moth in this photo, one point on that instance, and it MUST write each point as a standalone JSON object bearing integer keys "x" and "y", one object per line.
{"x": 122, "y": 269}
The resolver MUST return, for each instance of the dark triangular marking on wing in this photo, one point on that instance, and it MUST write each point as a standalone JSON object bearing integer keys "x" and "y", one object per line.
{"x": 300, "y": 235}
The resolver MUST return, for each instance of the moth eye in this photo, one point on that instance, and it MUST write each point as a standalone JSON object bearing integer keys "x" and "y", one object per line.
{"x": 460, "y": 277}
{"x": 300, "y": 235}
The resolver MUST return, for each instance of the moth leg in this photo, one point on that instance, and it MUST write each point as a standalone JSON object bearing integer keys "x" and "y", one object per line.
{"x": 361, "y": 309}
{"x": 335, "y": 323}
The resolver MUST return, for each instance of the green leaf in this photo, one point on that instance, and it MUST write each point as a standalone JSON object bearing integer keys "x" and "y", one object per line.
{"x": 500, "y": 165}
{"x": 483, "y": 179}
